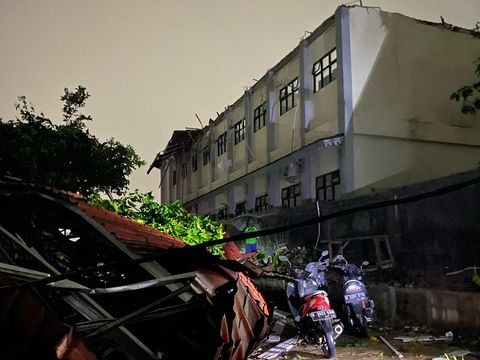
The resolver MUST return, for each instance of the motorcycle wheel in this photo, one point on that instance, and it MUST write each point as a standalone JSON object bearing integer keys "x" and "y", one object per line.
{"x": 328, "y": 346}
{"x": 361, "y": 327}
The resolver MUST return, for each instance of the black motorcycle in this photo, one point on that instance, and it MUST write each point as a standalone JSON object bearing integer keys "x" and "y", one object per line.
{"x": 358, "y": 308}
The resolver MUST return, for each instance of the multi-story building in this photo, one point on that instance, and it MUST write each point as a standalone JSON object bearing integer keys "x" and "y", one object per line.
{"x": 360, "y": 105}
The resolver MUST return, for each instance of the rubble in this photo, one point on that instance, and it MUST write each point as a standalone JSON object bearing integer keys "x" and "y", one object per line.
{"x": 129, "y": 291}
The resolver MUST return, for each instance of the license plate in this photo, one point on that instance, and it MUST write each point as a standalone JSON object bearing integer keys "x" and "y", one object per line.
{"x": 322, "y": 314}
{"x": 354, "y": 297}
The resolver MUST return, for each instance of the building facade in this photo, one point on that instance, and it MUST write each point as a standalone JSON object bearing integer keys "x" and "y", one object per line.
{"x": 361, "y": 105}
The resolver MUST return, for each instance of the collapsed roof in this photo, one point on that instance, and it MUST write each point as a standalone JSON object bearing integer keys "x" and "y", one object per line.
{"x": 181, "y": 140}
{"x": 83, "y": 267}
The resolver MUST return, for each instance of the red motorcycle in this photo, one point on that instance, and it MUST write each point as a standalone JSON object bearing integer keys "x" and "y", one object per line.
{"x": 308, "y": 301}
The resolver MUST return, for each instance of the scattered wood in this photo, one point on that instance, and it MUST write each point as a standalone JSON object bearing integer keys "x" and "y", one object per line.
{"x": 395, "y": 351}
{"x": 278, "y": 350}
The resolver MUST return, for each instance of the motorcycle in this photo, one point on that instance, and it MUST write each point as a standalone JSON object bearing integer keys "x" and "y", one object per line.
{"x": 358, "y": 309}
{"x": 308, "y": 301}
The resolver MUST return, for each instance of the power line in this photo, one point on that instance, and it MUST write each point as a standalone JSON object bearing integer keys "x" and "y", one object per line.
{"x": 168, "y": 253}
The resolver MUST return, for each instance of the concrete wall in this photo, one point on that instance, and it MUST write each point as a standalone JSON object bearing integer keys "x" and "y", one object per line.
{"x": 265, "y": 153}
{"x": 438, "y": 309}
{"x": 400, "y": 126}
{"x": 321, "y": 114}
{"x": 385, "y": 162}
{"x": 286, "y": 126}
{"x": 405, "y": 128}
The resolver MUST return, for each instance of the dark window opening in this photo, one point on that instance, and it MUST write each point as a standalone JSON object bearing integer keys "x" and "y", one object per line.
{"x": 239, "y": 131}
{"x": 184, "y": 170}
{"x": 288, "y": 96}
{"x": 222, "y": 214}
{"x": 325, "y": 70}
{"x": 206, "y": 155}
{"x": 241, "y": 208}
{"x": 261, "y": 203}
{"x": 222, "y": 144}
{"x": 259, "y": 117}
{"x": 194, "y": 162}
{"x": 291, "y": 196}
{"x": 326, "y": 186}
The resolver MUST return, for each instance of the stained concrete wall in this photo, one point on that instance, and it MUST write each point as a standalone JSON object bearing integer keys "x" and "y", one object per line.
{"x": 438, "y": 309}
{"x": 405, "y": 128}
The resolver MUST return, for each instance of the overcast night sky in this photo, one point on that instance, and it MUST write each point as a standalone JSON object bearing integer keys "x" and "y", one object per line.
{"x": 150, "y": 65}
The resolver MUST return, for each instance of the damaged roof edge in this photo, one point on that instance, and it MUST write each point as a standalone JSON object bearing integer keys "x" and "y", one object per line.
{"x": 179, "y": 139}
{"x": 324, "y": 26}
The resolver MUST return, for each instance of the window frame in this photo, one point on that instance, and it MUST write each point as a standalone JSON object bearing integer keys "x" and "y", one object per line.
{"x": 318, "y": 69}
{"x": 206, "y": 155}
{"x": 287, "y": 96}
{"x": 239, "y": 132}
{"x": 291, "y": 193}
{"x": 241, "y": 208}
{"x": 259, "y": 116}
{"x": 222, "y": 144}
{"x": 327, "y": 188}
{"x": 261, "y": 203}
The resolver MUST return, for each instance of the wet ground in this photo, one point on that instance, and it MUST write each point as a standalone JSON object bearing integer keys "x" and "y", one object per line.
{"x": 367, "y": 350}
{"x": 349, "y": 347}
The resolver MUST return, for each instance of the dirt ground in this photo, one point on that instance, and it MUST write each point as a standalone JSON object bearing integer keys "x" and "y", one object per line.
{"x": 349, "y": 347}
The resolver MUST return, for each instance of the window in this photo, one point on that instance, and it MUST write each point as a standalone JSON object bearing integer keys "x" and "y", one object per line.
{"x": 327, "y": 185}
{"x": 325, "y": 70}
{"x": 194, "y": 162}
{"x": 206, "y": 155}
{"x": 261, "y": 203}
{"x": 239, "y": 131}
{"x": 184, "y": 170}
{"x": 174, "y": 177}
{"x": 222, "y": 144}
{"x": 240, "y": 208}
{"x": 291, "y": 196}
{"x": 288, "y": 96}
{"x": 259, "y": 116}
{"x": 222, "y": 214}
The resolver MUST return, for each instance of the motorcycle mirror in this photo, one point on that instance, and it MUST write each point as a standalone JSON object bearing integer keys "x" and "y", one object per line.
{"x": 283, "y": 258}
{"x": 365, "y": 263}
{"x": 324, "y": 253}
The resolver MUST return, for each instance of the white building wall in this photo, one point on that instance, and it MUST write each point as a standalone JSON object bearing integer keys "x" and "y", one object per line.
{"x": 405, "y": 127}
{"x": 403, "y": 161}
{"x": 287, "y": 125}
{"x": 220, "y": 171}
{"x": 258, "y": 146}
{"x": 205, "y": 140}
{"x": 322, "y": 108}
{"x": 239, "y": 150}
{"x": 261, "y": 185}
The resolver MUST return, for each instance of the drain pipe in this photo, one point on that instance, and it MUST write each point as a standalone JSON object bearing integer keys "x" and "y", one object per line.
{"x": 318, "y": 226}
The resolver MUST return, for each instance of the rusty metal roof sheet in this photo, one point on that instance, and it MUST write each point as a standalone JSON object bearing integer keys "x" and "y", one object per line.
{"x": 127, "y": 230}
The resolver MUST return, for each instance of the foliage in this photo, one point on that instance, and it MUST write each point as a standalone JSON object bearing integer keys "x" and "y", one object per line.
{"x": 453, "y": 357}
{"x": 64, "y": 156}
{"x": 171, "y": 218}
{"x": 476, "y": 279}
{"x": 469, "y": 95}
